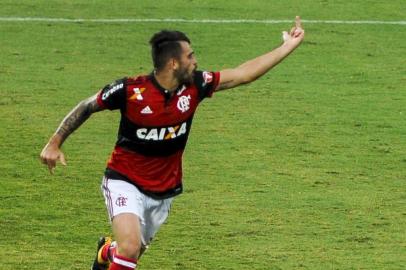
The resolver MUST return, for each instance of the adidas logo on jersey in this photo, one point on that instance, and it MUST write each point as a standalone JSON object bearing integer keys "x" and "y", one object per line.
{"x": 146, "y": 110}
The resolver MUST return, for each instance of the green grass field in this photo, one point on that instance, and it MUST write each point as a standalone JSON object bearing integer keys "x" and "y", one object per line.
{"x": 303, "y": 169}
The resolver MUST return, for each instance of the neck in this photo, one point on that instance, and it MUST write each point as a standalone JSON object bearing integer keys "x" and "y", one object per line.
{"x": 166, "y": 80}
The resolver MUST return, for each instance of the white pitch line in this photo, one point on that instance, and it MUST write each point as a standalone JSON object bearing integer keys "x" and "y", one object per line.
{"x": 215, "y": 21}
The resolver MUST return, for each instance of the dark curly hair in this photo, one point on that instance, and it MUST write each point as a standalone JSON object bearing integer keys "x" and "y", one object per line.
{"x": 165, "y": 45}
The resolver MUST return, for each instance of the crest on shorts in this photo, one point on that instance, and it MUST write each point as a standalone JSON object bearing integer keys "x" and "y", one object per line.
{"x": 121, "y": 201}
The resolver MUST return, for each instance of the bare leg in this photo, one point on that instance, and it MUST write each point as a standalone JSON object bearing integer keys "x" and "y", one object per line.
{"x": 127, "y": 233}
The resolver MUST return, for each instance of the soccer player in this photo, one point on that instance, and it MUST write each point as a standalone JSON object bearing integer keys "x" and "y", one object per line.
{"x": 144, "y": 172}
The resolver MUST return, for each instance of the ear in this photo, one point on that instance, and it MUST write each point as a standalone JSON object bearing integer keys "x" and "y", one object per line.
{"x": 174, "y": 63}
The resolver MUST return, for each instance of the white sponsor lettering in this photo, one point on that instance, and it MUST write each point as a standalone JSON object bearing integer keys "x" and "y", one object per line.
{"x": 152, "y": 135}
{"x": 112, "y": 90}
{"x": 160, "y": 134}
{"x": 172, "y": 132}
{"x": 182, "y": 129}
{"x": 142, "y": 132}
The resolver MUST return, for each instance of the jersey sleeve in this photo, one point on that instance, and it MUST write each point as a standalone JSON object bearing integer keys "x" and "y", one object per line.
{"x": 113, "y": 96}
{"x": 206, "y": 82}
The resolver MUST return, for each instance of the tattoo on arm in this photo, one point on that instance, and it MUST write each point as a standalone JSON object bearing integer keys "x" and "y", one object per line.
{"x": 78, "y": 116}
{"x": 225, "y": 85}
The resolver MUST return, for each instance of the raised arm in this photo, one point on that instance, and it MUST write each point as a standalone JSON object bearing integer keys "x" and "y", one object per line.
{"x": 255, "y": 68}
{"x": 51, "y": 152}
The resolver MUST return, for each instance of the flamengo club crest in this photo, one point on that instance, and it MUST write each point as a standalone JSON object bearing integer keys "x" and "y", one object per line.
{"x": 184, "y": 103}
{"x": 121, "y": 201}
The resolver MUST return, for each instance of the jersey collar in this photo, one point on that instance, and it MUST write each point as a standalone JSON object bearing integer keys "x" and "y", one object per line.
{"x": 165, "y": 92}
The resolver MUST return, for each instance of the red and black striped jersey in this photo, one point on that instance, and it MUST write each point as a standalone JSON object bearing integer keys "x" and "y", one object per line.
{"x": 154, "y": 129}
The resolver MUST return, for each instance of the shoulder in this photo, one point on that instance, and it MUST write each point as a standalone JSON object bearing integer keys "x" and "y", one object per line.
{"x": 138, "y": 79}
{"x": 206, "y": 82}
{"x": 203, "y": 78}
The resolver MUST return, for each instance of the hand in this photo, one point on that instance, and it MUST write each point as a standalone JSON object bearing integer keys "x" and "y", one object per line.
{"x": 50, "y": 155}
{"x": 296, "y": 34}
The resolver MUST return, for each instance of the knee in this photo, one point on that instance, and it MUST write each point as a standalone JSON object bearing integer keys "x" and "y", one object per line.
{"x": 129, "y": 248}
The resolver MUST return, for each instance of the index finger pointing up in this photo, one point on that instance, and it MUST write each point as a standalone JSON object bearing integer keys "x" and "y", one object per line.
{"x": 298, "y": 22}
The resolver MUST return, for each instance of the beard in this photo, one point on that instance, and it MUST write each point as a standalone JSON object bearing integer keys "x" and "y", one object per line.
{"x": 183, "y": 76}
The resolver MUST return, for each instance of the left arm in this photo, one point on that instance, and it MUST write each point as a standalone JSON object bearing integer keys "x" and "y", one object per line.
{"x": 255, "y": 68}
